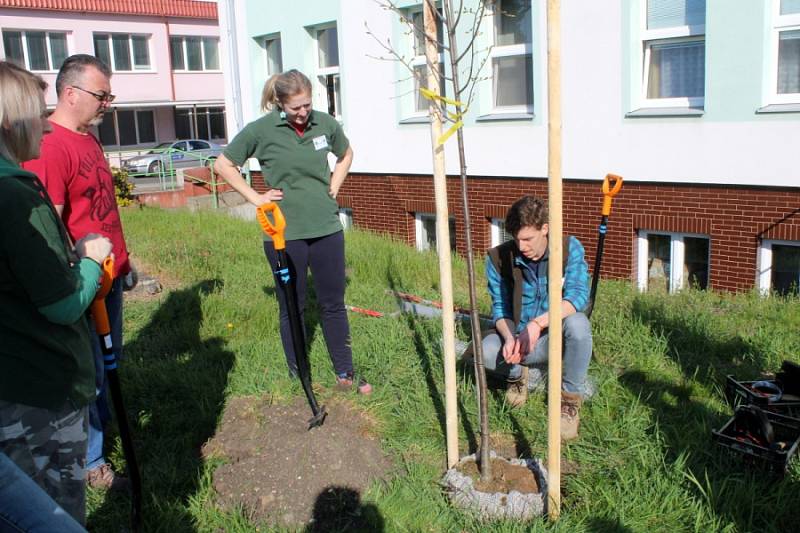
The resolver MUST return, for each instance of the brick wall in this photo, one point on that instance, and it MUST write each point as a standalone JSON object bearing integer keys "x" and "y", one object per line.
{"x": 735, "y": 218}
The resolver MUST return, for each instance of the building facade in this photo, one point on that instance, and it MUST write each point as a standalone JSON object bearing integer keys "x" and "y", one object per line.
{"x": 167, "y": 73}
{"x": 696, "y": 103}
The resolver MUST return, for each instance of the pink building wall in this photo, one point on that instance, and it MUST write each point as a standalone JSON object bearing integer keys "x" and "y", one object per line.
{"x": 141, "y": 87}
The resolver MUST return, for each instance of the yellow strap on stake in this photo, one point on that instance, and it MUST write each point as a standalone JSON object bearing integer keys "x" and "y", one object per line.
{"x": 430, "y": 95}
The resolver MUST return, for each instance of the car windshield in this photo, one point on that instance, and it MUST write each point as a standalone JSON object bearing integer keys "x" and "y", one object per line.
{"x": 160, "y": 148}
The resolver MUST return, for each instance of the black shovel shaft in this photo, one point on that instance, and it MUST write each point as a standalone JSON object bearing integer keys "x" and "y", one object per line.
{"x": 601, "y": 239}
{"x": 298, "y": 339}
{"x": 110, "y": 360}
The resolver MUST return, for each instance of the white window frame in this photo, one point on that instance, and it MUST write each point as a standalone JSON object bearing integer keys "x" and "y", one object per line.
{"x": 675, "y": 34}
{"x": 323, "y": 72}
{"x": 421, "y": 236}
{"x": 202, "y": 54}
{"x": 498, "y": 229}
{"x": 764, "y": 263}
{"x": 48, "y": 49}
{"x": 136, "y": 128}
{"x": 265, "y": 41}
{"x": 498, "y": 52}
{"x": 420, "y": 60}
{"x": 346, "y": 217}
{"x": 781, "y": 23}
{"x": 677, "y": 257}
{"x": 150, "y": 57}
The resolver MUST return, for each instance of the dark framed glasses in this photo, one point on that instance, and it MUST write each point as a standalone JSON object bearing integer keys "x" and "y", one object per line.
{"x": 105, "y": 98}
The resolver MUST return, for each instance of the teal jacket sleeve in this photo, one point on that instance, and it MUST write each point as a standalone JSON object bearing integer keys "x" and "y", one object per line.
{"x": 69, "y": 309}
{"x": 576, "y": 276}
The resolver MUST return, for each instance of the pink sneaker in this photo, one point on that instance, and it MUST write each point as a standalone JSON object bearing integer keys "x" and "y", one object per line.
{"x": 345, "y": 383}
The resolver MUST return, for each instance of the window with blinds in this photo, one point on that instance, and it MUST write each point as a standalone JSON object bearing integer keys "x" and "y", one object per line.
{"x": 194, "y": 53}
{"x": 38, "y": 51}
{"x": 786, "y": 53}
{"x": 673, "y": 45}
{"x": 511, "y": 56}
{"x": 122, "y": 51}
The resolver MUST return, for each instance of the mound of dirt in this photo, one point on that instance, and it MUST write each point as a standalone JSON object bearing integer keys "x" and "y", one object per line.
{"x": 283, "y": 474}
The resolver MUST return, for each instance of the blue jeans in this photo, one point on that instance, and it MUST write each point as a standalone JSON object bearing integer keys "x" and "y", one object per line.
{"x": 25, "y": 507}
{"x": 99, "y": 413}
{"x": 577, "y": 351}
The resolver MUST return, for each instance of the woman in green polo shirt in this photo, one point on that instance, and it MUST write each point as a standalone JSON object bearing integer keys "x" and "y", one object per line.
{"x": 292, "y": 142}
{"x": 46, "y": 361}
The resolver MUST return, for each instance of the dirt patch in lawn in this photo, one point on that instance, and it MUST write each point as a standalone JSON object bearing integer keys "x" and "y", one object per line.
{"x": 505, "y": 477}
{"x": 283, "y": 474}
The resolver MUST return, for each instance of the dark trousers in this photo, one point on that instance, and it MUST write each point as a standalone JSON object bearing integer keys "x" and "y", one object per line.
{"x": 325, "y": 257}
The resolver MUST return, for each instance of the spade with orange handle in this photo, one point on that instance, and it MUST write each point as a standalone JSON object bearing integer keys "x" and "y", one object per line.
{"x": 275, "y": 228}
{"x": 611, "y": 186}
{"x": 103, "y": 329}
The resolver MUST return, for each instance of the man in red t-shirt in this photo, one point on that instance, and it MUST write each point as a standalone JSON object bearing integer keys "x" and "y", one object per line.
{"x": 73, "y": 167}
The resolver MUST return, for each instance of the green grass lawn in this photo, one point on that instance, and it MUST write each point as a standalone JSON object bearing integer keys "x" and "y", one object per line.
{"x": 645, "y": 458}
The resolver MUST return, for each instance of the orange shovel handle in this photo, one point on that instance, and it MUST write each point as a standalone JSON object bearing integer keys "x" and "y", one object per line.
{"x": 611, "y": 186}
{"x": 275, "y": 227}
{"x": 99, "y": 312}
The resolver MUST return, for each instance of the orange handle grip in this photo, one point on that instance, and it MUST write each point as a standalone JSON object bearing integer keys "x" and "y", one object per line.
{"x": 611, "y": 186}
{"x": 99, "y": 312}
{"x": 276, "y": 226}
{"x": 107, "y": 277}
{"x": 100, "y": 317}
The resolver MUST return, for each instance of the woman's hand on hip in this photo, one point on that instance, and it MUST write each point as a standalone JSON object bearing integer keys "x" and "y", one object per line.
{"x": 272, "y": 195}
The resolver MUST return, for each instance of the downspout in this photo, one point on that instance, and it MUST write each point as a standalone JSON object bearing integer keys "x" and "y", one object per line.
{"x": 169, "y": 61}
{"x": 232, "y": 72}
{"x": 169, "y": 65}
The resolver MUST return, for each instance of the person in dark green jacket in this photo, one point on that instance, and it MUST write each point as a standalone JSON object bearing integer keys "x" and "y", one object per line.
{"x": 46, "y": 285}
{"x": 292, "y": 142}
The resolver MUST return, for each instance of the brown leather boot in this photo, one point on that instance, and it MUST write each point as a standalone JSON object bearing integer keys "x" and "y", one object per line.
{"x": 517, "y": 390}
{"x": 570, "y": 415}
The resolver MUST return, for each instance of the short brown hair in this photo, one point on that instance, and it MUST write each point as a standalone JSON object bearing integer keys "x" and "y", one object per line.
{"x": 527, "y": 211}
{"x": 72, "y": 69}
{"x": 281, "y": 86}
{"x": 20, "y": 112}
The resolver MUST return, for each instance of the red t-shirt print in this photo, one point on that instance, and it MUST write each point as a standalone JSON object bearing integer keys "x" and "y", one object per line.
{"x": 73, "y": 168}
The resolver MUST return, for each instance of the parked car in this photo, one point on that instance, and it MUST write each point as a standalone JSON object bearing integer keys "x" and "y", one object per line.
{"x": 173, "y": 154}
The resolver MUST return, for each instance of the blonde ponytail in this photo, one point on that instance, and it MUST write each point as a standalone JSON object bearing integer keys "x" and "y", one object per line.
{"x": 279, "y": 87}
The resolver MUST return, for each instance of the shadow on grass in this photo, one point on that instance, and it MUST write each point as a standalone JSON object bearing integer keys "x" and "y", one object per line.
{"x": 749, "y": 497}
{"x": 173, "y": 381}
{"x": 423, "y": 342}
{"x": 606, "y": 525}
{"x": 339, "y": 509}
{"x": 692, "y": 345}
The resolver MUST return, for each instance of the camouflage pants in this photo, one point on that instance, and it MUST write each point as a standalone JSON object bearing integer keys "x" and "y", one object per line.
{"x": 49, "y": 446}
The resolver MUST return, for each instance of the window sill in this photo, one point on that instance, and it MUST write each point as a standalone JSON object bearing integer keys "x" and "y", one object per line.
{"x": 197, "y": 71}
{"x": 779, "y": 108}
{"x": 493, "y": 117}
{"x": 415, "y": 120}
{"x": 666, "y": 112}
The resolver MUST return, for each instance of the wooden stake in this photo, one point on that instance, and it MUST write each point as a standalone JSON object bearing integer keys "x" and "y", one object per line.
{"x": 554, "y": 272}
{"x": 442, "y": 237}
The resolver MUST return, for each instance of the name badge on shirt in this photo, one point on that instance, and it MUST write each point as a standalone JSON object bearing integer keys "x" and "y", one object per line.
{"x": 320, "y": 142}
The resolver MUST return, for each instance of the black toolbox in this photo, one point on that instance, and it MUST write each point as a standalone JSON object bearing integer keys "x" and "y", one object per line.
{"x": 774, "y": 457}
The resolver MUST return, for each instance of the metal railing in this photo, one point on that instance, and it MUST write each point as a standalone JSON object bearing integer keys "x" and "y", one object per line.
{"x": 167, "y": 166}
